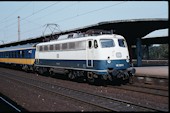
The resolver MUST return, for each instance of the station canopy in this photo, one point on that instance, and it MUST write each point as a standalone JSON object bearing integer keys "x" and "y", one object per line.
{"x": 130, "y": 29}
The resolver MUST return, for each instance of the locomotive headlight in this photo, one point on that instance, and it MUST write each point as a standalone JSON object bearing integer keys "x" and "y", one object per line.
{"x": 118, "y": 54}
{"x": 127, "y": 59}
{"x": 108, "y": 60}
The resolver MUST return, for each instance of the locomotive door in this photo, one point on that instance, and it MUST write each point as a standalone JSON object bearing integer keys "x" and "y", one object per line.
{"x": 89, "y": 53}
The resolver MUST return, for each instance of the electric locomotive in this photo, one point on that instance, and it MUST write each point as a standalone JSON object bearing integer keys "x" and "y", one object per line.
{"x": 103, "y": 56}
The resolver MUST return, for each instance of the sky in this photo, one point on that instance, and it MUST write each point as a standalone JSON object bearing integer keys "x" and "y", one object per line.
{"x": 67, "y": 15}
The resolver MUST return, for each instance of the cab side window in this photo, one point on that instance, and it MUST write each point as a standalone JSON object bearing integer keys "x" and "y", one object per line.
{"x": 90, "y": 44}
{"x": 95, "y": 44}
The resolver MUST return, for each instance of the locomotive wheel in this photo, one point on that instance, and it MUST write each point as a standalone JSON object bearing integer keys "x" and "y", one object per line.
{"x": 71, "y": 75}
{"x": 40, "y": 71}
{"x": 43, "y": 71}
{"x": 25, "y": 68}
{"x": 52, "y": 74}
{"x": 90, "y": 78}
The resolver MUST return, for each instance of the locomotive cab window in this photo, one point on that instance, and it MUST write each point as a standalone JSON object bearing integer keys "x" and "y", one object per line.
{"x": 106, "y": 43}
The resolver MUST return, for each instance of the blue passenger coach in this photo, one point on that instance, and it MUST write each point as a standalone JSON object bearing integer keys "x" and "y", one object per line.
{"x": 20, "y": 55}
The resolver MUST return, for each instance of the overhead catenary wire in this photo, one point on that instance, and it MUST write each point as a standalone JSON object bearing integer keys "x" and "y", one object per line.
{"x": 91, "y": 11}
{"x": 19, "y": 9}
{"x": 86, "y": 13}
{"x": 41, "y": 10}
{"x": 33, "y": 14}
{"x": 77, "y": 15}
{"x": 74, "y": 16}
{"x": 58, "y": 10}
{"x": 42, "y": 17}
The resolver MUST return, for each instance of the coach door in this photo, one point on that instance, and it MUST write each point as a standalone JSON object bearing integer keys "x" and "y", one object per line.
{"x": 89, "y": 53}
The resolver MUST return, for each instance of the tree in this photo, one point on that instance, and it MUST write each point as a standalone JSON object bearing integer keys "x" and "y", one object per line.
{"x": 164, "y": 49}
{"x": 159, "y": 52}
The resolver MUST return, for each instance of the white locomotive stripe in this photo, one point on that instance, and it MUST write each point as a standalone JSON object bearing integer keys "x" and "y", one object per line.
{"x": 72, "y": 68}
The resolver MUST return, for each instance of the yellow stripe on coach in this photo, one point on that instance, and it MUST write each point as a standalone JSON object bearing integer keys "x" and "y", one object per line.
{"x": 17, "y": 61}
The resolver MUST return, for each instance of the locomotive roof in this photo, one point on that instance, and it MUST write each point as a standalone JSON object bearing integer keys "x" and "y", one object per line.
{"x": 79, "y": 39}
{"x": 18, "y": 47}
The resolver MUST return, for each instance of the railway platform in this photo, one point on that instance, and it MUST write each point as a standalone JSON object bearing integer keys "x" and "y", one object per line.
{"x": 8, "y": 105}
{"x": 157, "y": 75}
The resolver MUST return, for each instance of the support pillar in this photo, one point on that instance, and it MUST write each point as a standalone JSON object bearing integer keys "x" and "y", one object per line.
{"x": 139, "y": 52}
{"x": 147, "y": 51}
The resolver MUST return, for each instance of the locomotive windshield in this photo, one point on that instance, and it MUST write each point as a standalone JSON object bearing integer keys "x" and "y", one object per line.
{"x": 105, "y": 43}
{"x": 122, "y": 42}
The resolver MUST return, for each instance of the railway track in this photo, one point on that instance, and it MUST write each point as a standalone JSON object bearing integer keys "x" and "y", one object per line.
{"x": 102, "y": 102}
{"x": 142, "y": 88}
{"x": 143, "y": 85}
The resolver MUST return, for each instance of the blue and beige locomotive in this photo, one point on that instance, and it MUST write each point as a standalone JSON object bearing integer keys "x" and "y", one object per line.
{"x": 101, "y": 56}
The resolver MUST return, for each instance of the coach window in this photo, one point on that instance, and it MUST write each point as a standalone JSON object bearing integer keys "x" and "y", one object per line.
{"x": 18, "y": 54}
{"x": 7, "y": 54}
{"x": 3, "y": 54}
{"x": 23, "y": 54}
{"x": 14, "y": 54}
{"x": 11, "y": 55}
{"x": 95, "y": 44}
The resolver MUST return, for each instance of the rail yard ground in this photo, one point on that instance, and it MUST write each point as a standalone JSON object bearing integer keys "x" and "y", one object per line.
{"x": 33, "y": 99}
